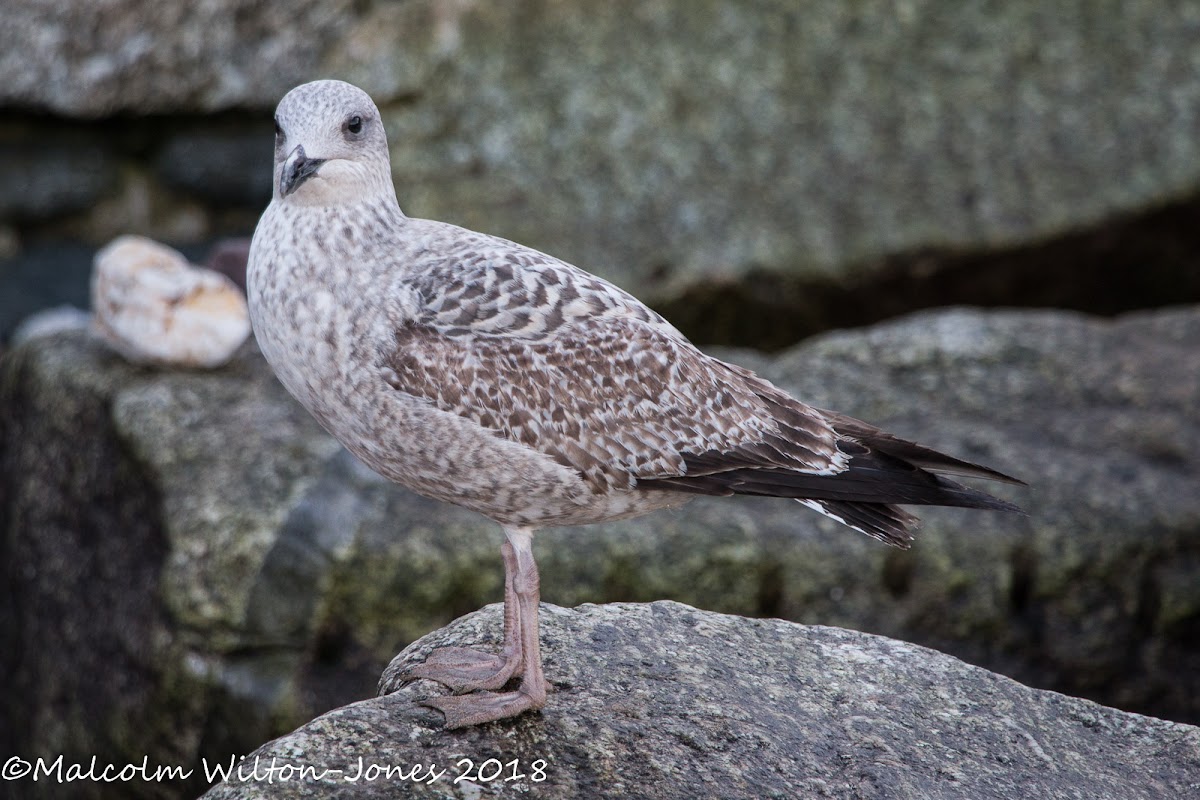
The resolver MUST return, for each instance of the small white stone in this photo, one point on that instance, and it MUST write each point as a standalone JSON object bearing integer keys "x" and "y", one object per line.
{"x": 153, "y": 307}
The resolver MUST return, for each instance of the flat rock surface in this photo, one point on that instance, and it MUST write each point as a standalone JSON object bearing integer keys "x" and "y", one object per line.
{"x": 665, "y": 701}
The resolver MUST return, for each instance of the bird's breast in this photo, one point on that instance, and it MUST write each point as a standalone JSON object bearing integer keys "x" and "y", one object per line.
{"x": 304, "y": 330}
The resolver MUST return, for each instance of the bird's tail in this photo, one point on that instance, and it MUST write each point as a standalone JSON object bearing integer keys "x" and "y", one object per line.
{"x": 882, "y": 473}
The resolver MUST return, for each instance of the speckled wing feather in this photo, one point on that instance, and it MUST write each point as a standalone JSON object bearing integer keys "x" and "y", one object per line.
{"x": 567, "y": 364}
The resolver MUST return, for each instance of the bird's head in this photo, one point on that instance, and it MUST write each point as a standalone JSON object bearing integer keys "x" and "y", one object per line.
{"x": 330, "y": 146}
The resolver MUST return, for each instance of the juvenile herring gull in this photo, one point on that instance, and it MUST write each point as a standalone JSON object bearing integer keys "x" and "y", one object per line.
{"x": 480, "y": 372}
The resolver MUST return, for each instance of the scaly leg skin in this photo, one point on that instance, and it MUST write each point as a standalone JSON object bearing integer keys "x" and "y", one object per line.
{"x": 521, "y": 573}
{"x": 462, "y": 669}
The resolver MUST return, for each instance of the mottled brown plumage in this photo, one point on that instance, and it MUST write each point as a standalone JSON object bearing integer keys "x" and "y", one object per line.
{"x": 484, "y": 373}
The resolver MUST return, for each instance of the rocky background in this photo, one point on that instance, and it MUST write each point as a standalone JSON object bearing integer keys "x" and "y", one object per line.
{"x": 192, "y": 567}
{"x": 188, "y": 566}
{"x": 758, "y": 170}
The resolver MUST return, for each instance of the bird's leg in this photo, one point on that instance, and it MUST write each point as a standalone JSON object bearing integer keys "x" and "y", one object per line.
{"x": 463, "y": 669}
{"x": 485, "y": 706}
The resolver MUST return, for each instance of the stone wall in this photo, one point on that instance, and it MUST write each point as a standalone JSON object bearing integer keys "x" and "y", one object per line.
{"x": 762, "y": 169}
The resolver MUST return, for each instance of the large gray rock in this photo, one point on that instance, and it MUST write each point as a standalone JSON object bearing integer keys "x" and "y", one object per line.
{"x": 664, "y": 701}
{"x": 99, "y": 59}
{"x": 675, "y": 145}
{"x": 121, "y": 635}
{"x": 259, "y": 575}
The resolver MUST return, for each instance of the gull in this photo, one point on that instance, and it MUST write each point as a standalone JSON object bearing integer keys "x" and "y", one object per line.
{"x": 484, "y": 373}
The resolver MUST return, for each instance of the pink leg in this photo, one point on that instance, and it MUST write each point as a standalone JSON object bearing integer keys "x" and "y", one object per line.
{"x": 462, "y": 669}
{"x": 521, "y": 631}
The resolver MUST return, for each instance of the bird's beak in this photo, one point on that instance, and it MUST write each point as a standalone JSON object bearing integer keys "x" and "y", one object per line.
{"x": 296, "y": 170}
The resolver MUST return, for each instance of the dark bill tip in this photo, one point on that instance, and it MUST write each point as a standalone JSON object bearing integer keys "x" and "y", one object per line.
{"x": 296, "y": 170}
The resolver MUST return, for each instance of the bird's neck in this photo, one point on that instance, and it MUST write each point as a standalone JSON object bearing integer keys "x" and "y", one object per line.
{"x": 379, "y": 210}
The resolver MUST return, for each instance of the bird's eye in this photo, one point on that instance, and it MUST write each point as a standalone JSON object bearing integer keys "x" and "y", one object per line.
{"x": 354, "y": 124}
{"x": 278, "y": 130}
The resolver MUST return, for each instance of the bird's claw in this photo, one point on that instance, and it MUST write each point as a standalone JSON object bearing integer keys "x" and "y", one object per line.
{"x": 462, "y": 669}
{"x": 462, "y": 711}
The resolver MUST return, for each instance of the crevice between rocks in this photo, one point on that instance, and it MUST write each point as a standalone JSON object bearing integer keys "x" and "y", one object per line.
{"x": 1138, "y": 261}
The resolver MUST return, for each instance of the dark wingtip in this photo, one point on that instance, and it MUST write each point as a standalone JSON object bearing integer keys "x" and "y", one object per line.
{"x": 965, "y": 469}
{"x": 924, "y": 457}
{"x": 952, "y": 493}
